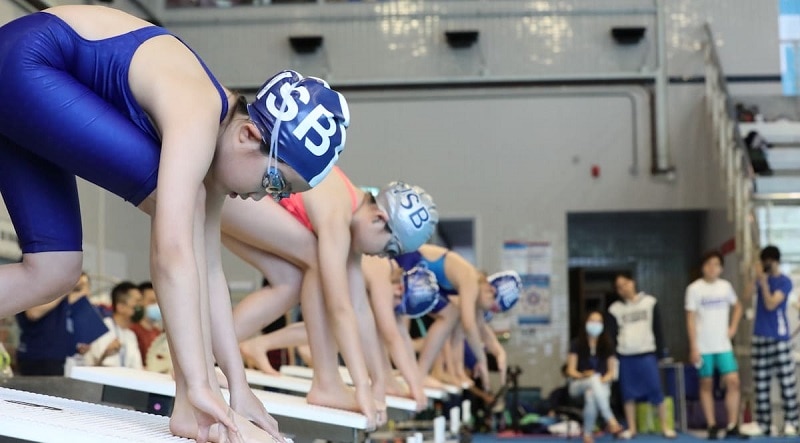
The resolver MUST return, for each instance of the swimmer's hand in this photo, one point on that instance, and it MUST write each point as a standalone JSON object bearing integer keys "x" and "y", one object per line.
{"x": 210, "y": 409}
{"x": 250, "y": 407}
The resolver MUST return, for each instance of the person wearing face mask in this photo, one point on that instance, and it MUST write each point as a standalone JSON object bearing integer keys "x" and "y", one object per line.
{"x": 149, "y": 327}
{"x": 591, "y": 366}
{"x": 118, "y": 347}
{"x": 772, "y": 348}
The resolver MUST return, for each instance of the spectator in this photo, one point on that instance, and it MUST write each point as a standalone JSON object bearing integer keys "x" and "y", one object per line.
{"x": 591, "y": 367}
{"x": 636, "y": 326}
{"x": 118, "y": 347}
{"x": 772, "y": 349}
{"x": 711, "y": 328}
{"x": 149, "y": 327}
{"x": 46, "y": 335}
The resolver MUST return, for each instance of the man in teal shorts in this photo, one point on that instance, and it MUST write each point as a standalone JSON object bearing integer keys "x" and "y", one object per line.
{"x": 711, "y": 327}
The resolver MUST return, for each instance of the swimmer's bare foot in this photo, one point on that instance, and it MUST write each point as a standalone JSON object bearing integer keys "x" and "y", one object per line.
{"x": 182, "y": 423}
{"x": 397, "y": 388}
{"x": 449, "y": 379}
{"x": 465, "y": 382}
{"x": 254, "y": 354}
{"x": 431, "y": 382}
{"x": 339, "y": 396}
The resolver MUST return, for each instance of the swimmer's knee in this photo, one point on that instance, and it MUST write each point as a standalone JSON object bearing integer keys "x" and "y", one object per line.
{"x": 52, "y": 274}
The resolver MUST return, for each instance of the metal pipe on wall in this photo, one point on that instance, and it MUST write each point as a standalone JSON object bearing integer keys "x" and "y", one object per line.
{"x": 662, "y": 163}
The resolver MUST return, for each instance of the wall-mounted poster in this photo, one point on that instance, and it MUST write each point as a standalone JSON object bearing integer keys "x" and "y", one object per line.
{"x": 534, "y": 263}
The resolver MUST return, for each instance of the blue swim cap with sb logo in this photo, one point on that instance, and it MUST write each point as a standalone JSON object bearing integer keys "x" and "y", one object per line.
{"x": 421, "y": 292}
{"x": 304, "y": 122}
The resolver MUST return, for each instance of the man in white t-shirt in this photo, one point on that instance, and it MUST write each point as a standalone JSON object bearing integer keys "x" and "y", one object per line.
{"x": 711, "y": 327}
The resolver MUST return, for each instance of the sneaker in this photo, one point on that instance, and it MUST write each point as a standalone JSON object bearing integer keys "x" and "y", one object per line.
{"x": 789, "y": 430}
{"x": 713, "y": 432}
{"x": 733, "y": 433}
{"x": 670, "y": 434}
{"x": 751, "y": 429}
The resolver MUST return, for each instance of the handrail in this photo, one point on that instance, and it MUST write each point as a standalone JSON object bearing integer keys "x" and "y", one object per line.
{"x": 731, "y": 152}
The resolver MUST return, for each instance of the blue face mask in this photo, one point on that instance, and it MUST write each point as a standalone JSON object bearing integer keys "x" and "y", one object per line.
{"x": 153, "y": 313}
{"x": 594, "y": 328}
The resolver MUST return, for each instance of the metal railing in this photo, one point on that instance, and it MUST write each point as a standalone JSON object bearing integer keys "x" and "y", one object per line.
{"x": 730, "y": 152}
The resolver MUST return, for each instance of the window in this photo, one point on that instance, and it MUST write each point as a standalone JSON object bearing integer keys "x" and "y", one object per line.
{"x": 789, "y": 26}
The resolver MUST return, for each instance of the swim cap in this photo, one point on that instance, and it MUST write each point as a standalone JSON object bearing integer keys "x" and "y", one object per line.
{"x": 420, "y": 294}
{"x": 412, "y": 216}
{"x": 303, "y": 121}
{"x": 508, "y": 287}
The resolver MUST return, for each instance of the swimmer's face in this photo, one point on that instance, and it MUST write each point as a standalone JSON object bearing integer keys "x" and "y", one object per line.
{"x": 240, "y": 166}
{"x": 371, "y": 233}
{"x": 486, "y": 297}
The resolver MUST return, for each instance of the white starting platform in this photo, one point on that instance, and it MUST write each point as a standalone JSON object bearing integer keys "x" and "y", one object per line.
{"x": 25, "y": 416}
{"x": 303, "y": 386}
{"x": 308, "y": 373}
{"x": 153, "y": 391}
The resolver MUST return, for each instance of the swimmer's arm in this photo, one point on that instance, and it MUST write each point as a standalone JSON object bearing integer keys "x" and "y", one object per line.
{"x": 468, "y": 289}
{"x": 331, "y": 220}
{"x": 223, "y": 335}
{"x": 382, "y": 299}
{"x": 409, "y": 357}
{"x": 366, "y": 326}
{"x": 188, "y": 144}
{"x": 494, "y": 347}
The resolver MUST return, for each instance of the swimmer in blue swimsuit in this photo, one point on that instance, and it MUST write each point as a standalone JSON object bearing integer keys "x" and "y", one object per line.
{"x": 394, "y": 295}
{"x": 458, "y": 314}
{"x": 93, "y": 92}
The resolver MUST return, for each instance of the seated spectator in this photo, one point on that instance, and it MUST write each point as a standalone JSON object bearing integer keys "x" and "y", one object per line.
{"x": 149, "y": 327}
{"x": 119, "y": 347}
{"x": 46, "y": 334}
{"x": 591, "y": 367}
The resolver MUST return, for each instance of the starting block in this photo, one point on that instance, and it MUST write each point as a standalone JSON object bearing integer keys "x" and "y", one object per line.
{"x": 303, "y": 386}
{"x": 303, "y": 421}
{"x": 42, "y": 418}
{"x": 306, "y": 372}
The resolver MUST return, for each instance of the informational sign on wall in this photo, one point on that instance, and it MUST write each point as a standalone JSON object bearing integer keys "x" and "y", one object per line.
{"x": 534, "y": 263}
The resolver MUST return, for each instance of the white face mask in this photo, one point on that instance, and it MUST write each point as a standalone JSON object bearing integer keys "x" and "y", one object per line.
{"x": 594, "y": 328}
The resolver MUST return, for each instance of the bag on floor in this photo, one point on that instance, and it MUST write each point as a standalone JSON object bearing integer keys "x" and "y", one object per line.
{"x": 648, "y": 421}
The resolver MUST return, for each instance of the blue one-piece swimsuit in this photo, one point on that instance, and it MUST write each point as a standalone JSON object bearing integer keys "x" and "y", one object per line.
{"x": 446, "y": 289}
{"x": 66, "y": 110}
